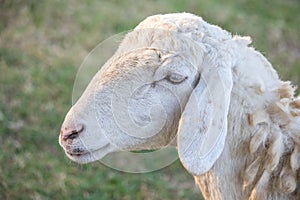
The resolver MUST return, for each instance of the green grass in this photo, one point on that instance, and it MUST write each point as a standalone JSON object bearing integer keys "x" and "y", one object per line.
{"x": 42, "y": 44}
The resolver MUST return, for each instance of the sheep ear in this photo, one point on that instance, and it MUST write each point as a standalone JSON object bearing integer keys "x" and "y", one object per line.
{"x": 203, "y": 125}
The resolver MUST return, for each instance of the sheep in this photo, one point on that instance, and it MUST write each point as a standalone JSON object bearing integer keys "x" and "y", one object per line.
{"x": 176, "y": 79}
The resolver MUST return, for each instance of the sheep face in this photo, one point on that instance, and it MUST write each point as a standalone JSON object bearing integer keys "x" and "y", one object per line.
{"x": 134, "y": 104}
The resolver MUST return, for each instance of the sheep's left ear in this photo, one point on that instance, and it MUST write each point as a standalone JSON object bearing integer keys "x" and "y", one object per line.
{"x": 203, "y": 125}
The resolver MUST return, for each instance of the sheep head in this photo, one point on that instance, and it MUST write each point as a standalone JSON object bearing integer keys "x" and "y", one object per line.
{"x": 161, "y": 85}
{"x": 132, "y": 105}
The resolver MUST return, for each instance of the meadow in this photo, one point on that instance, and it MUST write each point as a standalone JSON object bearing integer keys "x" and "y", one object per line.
{"x": 42, "y": 45}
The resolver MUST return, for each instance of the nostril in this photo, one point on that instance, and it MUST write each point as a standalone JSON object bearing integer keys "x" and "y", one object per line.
{"x": 71, "y": 133}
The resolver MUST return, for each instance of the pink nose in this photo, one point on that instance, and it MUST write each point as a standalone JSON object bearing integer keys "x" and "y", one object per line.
{"x": 71, "y": 132}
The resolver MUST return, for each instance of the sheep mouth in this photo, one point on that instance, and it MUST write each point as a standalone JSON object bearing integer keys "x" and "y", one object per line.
{"x": 77, "y": 152}
{"x": 80, "y": 153}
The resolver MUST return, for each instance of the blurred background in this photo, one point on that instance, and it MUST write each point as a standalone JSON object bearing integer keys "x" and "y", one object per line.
{"x": 43, "y": 43}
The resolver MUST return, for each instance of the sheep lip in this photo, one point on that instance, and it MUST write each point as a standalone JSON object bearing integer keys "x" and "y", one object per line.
{"x": 77, "y": 154}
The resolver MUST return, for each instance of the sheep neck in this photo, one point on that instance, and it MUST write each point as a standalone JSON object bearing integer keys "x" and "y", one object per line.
{"x": 226, "y": 180}
{"x": 222, "y": 182}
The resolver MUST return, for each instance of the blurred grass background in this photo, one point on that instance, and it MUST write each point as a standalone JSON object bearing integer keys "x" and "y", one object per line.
{"x": 42, "y": 44}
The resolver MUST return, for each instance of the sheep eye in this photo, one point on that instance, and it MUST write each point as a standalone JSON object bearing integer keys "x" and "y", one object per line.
{"x": 175, "y": 78}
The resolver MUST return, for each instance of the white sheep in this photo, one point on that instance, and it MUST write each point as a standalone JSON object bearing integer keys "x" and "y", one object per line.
{"x": 175, "y": 76}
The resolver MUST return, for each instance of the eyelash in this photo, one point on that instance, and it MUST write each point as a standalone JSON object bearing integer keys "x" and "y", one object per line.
{"x": 175, "y": 78}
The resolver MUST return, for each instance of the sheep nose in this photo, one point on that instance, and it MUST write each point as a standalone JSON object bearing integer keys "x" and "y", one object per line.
{"x": 70, "y": 133}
